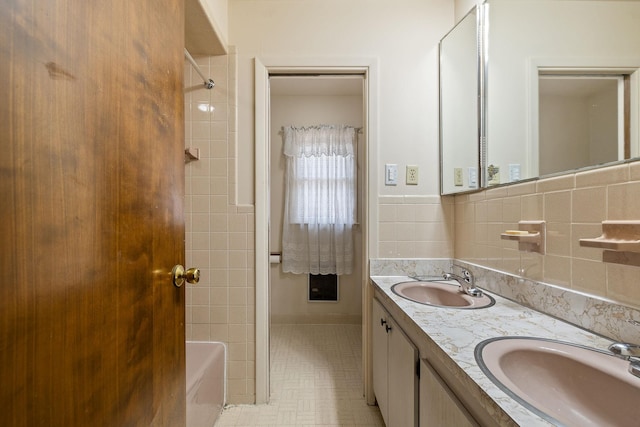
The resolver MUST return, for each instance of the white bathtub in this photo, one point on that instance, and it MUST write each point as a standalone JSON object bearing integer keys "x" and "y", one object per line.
{"x": 205, "y": 382}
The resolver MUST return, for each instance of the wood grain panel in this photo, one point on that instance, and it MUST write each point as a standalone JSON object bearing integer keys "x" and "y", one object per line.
{"x": 92, "y": 179}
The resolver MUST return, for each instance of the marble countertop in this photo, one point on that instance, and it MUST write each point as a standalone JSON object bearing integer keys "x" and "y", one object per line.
{"x": 457, "y": 332}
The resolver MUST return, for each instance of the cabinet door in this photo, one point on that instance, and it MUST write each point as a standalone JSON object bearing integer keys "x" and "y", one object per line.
{"x": 438, "y": 405}
{"x": 403, "y": 380}
{"x": 379, "y": 317}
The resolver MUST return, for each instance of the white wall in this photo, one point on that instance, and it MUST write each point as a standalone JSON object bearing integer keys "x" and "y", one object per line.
{"x": 402, "y": 36}
{"x": 289, "y": 291}
{"x": 578, "y": 130}
{"x": 603, "y": 126}
{"x": 218, "y": 13}
{"x": 564, "y": 133}
{"x": 462, "y": 7}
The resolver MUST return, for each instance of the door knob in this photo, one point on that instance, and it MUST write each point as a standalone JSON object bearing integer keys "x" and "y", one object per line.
{"x": 191, "y": 275}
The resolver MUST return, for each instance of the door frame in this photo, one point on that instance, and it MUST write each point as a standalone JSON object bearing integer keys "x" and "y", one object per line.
{"x": 263, "y": 67}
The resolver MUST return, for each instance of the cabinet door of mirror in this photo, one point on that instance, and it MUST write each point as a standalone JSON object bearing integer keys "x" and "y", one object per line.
{"x": 459, "y": 107}
{"x": 547, "y": 63}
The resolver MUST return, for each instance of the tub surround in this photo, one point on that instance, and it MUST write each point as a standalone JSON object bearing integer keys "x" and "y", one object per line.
{"x": 448, "y": 336}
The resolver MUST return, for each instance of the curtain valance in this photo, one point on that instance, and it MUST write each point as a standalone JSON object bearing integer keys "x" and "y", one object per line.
{"x": 323, "y": 140}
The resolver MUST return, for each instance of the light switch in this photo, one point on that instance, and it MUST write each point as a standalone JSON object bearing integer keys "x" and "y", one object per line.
{"x": 390, "y": 174}
{"x": 473, "y": 177}
{"x": 514, "y": 172}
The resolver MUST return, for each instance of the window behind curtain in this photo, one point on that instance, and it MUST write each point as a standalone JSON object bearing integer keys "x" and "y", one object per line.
{"x": 323, "y": 191}
{"x": 320, "y": 200}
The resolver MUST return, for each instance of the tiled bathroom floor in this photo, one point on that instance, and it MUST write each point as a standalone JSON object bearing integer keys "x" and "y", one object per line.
{"x": 316, "y": 380}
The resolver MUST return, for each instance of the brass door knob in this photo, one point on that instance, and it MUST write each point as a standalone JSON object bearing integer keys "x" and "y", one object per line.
{"x": 191, "y": 275}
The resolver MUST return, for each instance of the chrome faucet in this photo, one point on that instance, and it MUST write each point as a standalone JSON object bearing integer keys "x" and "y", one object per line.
{"x": 466, "y": 283}
{"x": 630, "y": 352}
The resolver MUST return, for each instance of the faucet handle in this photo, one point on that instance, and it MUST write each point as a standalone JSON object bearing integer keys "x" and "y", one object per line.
{"x": 475, "y": 292}
{"x": 630, "y": 352}
{"x": 625, "y": 350}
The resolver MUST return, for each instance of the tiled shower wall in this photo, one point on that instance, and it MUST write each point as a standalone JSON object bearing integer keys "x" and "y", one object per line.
{"x": 219, "y": 233}
{"x": 574, "y": 207}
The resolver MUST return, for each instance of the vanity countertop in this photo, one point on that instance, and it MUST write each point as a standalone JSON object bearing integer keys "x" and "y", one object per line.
{"x": 457, "y": 332}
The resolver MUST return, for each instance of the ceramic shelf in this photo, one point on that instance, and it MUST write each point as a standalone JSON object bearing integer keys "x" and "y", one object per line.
{"x": 620, "y": 241}
{"x": 530, "y": 235}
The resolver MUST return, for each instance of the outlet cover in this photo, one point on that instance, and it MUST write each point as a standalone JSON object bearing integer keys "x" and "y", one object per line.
{"x": 412, "y": 175}
{"x": 458, "y": 180}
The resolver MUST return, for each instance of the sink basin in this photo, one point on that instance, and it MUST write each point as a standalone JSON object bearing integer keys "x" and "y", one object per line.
{"x": 440, "y": 293}
{"x": 564, "y": 383}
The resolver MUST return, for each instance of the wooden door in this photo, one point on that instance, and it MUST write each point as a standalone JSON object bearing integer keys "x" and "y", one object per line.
{"x": 91, "y": 215}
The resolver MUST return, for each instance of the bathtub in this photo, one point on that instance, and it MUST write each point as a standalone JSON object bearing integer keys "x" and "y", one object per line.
{"x": 205, "y": 382}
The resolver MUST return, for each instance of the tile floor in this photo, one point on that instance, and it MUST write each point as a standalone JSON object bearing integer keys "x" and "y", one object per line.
{"x": 316, "y": 380}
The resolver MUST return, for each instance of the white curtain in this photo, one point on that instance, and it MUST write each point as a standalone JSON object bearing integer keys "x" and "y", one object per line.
{"x": 320, "y": 199}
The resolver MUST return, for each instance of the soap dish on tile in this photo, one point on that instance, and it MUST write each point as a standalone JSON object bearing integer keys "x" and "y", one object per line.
{"x": 620, "y": 241}
{"x": 530, "y": 235}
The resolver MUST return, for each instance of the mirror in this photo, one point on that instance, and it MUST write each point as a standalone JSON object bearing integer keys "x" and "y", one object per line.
{"x": 579, "y": 121}
{"x": 562, "y": 86}
{"x": 459, "y": 101}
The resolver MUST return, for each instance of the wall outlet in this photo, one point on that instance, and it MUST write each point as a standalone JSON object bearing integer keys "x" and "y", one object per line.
{"x": 412, "y": 175}
{"x": 457, "y": 177}
{"x": 390, "y": 174}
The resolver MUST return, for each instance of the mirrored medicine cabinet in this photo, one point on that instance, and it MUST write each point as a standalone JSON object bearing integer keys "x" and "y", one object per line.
{"x": 532, "y": 88}
{"x": 459, "y": 106}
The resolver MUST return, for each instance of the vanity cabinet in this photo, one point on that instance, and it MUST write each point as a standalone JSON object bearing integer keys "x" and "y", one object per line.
{"x": 439, "y": 406}
{"x": 395, "y": 379}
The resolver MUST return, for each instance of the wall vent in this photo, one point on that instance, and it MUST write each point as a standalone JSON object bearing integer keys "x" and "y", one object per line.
{"x": 323, "y": 287}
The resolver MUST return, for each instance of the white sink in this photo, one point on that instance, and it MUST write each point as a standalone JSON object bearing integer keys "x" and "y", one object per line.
{"x": 562, "y": 382}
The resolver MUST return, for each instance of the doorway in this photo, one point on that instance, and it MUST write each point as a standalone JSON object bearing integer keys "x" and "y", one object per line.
{"x": 331, "y": 77}
{"x": 305, "y": 101}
